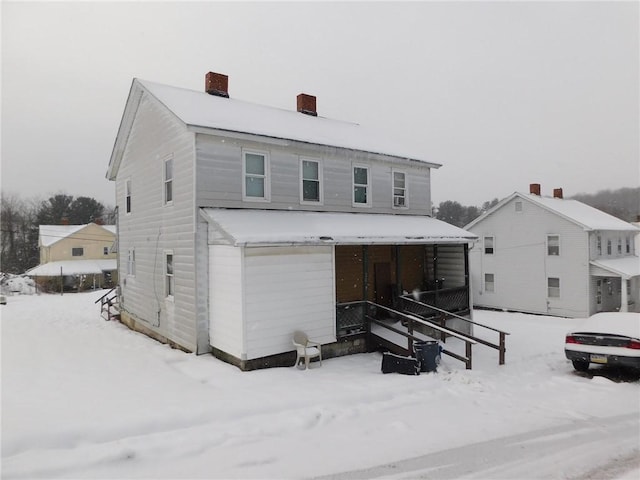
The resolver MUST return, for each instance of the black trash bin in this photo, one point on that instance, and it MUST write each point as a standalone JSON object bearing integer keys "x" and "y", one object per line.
{"x": 428, "y": 354}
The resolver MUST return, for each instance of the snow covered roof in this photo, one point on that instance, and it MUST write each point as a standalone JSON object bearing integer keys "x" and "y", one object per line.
{"x": 282, "y": 227}
{"x": 50, "y": 234}
{"x": 73, "y": 267}
{"x": 201, "y": 110}
{"x": 589, "y": 218}
{"x": 625, "y": 267}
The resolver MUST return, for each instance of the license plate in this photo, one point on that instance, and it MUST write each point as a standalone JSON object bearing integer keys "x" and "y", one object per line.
{"x": 598, "y": 358}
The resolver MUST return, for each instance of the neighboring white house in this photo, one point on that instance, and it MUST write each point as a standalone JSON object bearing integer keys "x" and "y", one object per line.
{"x": 239, "y": 224}
{"x": 554, "y": 256}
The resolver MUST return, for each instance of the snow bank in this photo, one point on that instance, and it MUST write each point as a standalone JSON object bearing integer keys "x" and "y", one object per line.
{"x": 16, "y": 284}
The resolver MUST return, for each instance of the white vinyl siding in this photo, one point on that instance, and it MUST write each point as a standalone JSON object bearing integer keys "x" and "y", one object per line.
{"x": 287, "y": 289}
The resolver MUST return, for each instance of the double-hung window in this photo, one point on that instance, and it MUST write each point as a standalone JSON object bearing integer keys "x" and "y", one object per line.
{"x": 310, "y": 181}
{"x": 168, "y": 180}
{"x": 609, "y": 246}
{"x": 599, "y": 245}
{"x": 127, "y": 201}
{"x": 619, "y": 245}
{"x": 553, "y": 287}
{"x": 77, "y": 252}
{"x": 399, "y": 189}
{"x": 488, "y": 245}
{"x": 131, "y": 262}
{"x": 361, "y": 186}
{"x": 628, "y": 244}
{"x": 553, "y": 245}
{"x": 168, "y": 275}
{"x": 255, "y": 172}
{"x": 489, "y": 282}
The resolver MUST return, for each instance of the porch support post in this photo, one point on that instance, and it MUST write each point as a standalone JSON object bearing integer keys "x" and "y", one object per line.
{"x": 623, "y": 295}
{"x": 398, "y": 289}
{"x": 365, "y": 272}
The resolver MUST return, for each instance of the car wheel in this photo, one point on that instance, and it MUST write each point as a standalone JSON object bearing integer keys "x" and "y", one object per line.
{"x": 581, "y": 365}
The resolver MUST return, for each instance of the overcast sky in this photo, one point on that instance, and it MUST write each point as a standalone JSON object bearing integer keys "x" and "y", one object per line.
{"x": 501, "y": 94}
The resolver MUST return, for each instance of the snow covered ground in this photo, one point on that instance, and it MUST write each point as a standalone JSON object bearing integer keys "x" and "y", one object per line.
{"x": 85, "y": 398}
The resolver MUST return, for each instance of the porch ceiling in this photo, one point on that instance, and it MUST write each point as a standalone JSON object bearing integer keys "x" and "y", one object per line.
{"x": 282, "y": 227}
{"x": 625, "y": 267}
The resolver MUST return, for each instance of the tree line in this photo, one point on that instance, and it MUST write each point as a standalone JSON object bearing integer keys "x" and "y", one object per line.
{"x": 20, "y": 220}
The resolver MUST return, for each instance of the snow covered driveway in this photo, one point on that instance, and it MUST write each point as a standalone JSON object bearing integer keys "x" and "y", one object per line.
{"x": 85, "y": 398}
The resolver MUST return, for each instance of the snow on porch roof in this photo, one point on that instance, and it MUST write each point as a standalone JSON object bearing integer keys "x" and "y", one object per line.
{"x": 625, "y": 267}
{"x": 73, "y": 267}
{"x": 282, "y": 227}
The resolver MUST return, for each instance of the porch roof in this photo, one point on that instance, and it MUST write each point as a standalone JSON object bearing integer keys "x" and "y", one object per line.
{"x": 73, "y": 267}
{"x": 625, "y": 267}
{"x": 282, "y": 227}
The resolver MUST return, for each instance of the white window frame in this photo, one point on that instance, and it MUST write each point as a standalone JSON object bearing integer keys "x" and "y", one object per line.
{"x": 320, "y": 181}
{"x": 619, "y": 245}
{"x": 492, "y": 283}
{"x": 266, "y": 177}
{"x": 405, "y": 189}
{"x": 553, "y": 289}
{"x": 628, "y": 244}
{"x": 599, "y": 245}
{"x": 550, "y": 246}
{"x": 167, "y": 182}
{"x": 131, "y": 262}
{"x": 169, "y": 277}
{"x": 127, "y": 196}
{"x": 367, "y": 186}
{"x": 492, "y": 247}
{"x": 609, "y": 247}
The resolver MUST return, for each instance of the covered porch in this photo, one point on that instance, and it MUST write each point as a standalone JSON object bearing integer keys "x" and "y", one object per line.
{"x": 617, "y": 284}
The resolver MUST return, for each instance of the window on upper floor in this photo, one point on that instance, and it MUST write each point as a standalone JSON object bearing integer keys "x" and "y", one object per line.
{"x": 127, "y": 193}
{"x": 310, "y": 181}
{"x": 168, "y": 180}
{"x": 628, "y": 244}
{"x": 609, "y": 246}
{"x": 599, "y": 245}
{"x": 105, "y": 250}
{"x": 77, "y": 252}
{"x": 399, "y": 189}
{"x": 553, "y": 287}
{"x": 255, "y": 170}
{"x": 489, "y": 282}
{"x": 553, "y": 245}
{"x": 518, "y": 206}
{"x": 361, "y": 186}
{"x": 168, "y": 274}
{"x": 488, "y": 245}
{"x": 619, "y": 245}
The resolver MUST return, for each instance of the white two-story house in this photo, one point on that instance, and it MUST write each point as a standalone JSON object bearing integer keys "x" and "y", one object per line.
{"x": 555, "y": 256}
{"x": 240, "y": 223}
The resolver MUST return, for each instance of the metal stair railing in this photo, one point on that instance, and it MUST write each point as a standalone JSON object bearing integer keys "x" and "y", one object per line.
{"x": 109, "y": 304}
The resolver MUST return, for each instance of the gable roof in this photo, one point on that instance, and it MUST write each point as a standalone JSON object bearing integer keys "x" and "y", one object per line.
{"x": 583, "y": 215}
{"x": 199, "y": 110}
{"x": 50, "y": 234}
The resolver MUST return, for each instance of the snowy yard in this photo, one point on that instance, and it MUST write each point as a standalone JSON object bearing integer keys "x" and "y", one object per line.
{"x": 85, "y": 398}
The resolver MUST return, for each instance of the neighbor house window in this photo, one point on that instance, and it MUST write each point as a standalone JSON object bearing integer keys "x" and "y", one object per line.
{"x": 598, "y": 292}
{"x": 599, "y": 245}
{"x": 609, "y": 247}
{"x": 168, "y": 180}
{"x": 169, "y": 278}
{"x": 619, "y": 245}
{"x": 256, "y": 176}
{"x": 77, "y": 252}
{"x": 131, "y": 262}
{"x": 553, "y": 245}
{"x": 310, "y": 181}
{"x": 553, "y": 287}
{"x": 361, "y": 186}
{"x": 127, "y": 188}
{"x": 399, "y": 189}
{"x": 488, "y": 245}
{"x": 489, "y": 282}
{"x": 105, "y": 250}
{"x": 628, "y": 245}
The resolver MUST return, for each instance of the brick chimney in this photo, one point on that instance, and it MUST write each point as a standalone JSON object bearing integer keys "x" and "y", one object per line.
{"x": 534, "y": 189}
{"x": 307, "y": 104}
{"x": 557, "y": 193}
{"x": 216, "y": 84}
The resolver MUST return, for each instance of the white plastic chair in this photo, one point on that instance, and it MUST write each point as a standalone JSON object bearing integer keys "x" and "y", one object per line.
{"x": 306, "y": 349}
